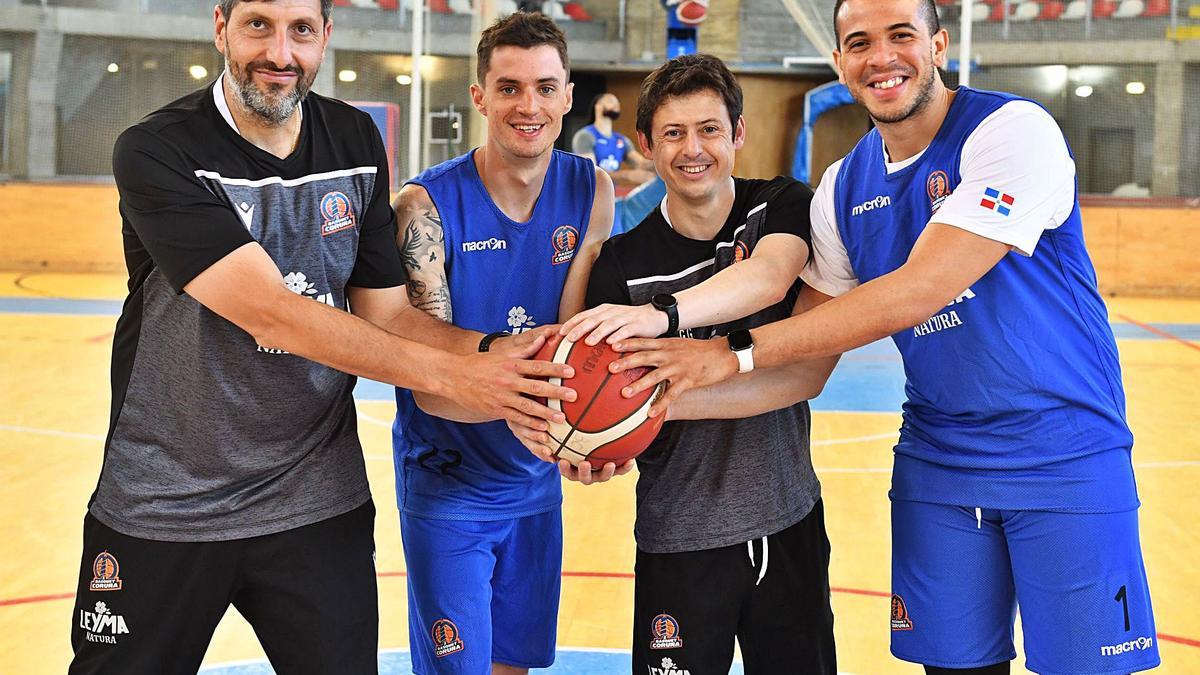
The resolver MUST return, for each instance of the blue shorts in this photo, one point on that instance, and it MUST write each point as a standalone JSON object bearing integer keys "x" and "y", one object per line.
{"x": 482, "y": 591}
{"x": 958, "y": 576}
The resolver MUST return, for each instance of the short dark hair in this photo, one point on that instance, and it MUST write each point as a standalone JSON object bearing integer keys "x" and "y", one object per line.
{"x": 928, "y": 10}
{"x": 228, "y": 5}
{"x": 520, "y": 29}
{"x": 685, "y": 75}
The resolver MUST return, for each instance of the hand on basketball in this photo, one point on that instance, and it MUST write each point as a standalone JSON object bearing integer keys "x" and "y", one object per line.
{"x": 584, "y": 473}
{"x": 517, "y": 345}
{"x": 501, "y": 385}
{"x": 683, "y": 364}
{"x": 535, "y": 440}
{"x": 615, "y": 322}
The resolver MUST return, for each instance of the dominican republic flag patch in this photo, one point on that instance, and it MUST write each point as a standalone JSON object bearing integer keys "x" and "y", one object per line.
{"x": 997, "y": 201}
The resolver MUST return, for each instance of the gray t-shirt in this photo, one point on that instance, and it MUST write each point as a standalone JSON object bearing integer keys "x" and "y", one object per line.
{"x": 212, "y": 436}
{"x": 706, "y": 484}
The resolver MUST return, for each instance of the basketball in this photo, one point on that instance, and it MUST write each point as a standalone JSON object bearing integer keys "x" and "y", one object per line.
{"x": 601, "y": 426}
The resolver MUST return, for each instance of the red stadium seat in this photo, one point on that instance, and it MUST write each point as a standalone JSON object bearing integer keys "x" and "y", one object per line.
{"x": 389, "y": 5}
{"x": 440, "y": 7}
{"x": 1103, "y": 9}
{"x": 576, "y": 11}
{"x": 1157, "y": 8}
{"x": 1052, "y": 10}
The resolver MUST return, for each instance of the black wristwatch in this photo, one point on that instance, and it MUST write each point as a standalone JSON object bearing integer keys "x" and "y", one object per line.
{"x": 486, "y": 343}
{"x": 742, "y": 346}
{"x": 665, "y": 302}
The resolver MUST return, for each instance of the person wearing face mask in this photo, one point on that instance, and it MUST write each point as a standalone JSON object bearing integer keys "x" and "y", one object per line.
{"x": 610, "y": 150}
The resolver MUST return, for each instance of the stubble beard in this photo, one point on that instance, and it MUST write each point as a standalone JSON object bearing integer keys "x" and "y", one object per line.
{"x": 275, "y": 106}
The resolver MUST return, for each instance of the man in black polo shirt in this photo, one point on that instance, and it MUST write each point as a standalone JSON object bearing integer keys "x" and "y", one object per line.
{"x": 730, "y": 527}
{"x": 254, "y": 214}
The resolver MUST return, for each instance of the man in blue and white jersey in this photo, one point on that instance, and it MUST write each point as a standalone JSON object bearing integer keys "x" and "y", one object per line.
{"x": 499, "y": 241}
{"x": 954, "y": 227}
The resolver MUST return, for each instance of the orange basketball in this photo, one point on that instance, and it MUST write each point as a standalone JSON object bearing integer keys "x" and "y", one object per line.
{"x": 601, "y": 426}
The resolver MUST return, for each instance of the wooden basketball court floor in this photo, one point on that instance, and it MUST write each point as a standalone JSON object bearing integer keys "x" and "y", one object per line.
{"x": 55, "y": 340}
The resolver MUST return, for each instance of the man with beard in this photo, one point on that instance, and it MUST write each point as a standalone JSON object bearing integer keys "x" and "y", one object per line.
{"x": 498, "y": 240}
{"x": 1013, "y": 482}
{"x": 254, "y": 212}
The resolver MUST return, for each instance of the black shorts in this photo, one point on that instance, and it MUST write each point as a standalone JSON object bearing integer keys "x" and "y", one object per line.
{"x": 147, "y": 606}
{"x": 772, "y": 594}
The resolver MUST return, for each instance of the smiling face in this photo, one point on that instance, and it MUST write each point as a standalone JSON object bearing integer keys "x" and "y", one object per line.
{"x": 887, "y": 57}
{"x": 272, "y": 50}
{"x": 524, "y": 96}
{"x": 693, "y": 144}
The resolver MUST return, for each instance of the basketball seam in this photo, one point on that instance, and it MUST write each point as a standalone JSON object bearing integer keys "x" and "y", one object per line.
{"x": 583, "y": 415}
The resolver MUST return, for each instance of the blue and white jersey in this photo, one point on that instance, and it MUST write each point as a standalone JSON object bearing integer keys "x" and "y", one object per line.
{"x": 1014, "y": 395}
{"x": 609, "y": 151}
{"x": 503, "y": 276}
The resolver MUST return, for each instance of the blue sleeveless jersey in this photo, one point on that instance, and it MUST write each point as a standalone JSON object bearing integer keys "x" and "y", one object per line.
{"x": 609, "y": 150}
{"x": 503, "y": 276}
{"x": 1014, "y": 395}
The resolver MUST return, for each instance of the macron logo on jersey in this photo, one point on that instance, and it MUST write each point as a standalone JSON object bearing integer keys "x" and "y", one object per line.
{"x": 492, "y": 244}
{"x": 246, "y": 213}
{"x": 871, "y": 204}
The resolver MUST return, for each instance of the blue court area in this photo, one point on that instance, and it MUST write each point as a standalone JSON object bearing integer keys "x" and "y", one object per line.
{"x": 397, "y": 662}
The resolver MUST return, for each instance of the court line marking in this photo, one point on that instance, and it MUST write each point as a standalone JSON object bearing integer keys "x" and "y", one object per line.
{"x": 50, "y": 432}
{"x": 1159, "y": 332}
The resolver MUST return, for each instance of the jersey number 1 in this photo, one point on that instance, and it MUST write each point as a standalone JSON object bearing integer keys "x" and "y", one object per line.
{"x": 1121, "y": 598}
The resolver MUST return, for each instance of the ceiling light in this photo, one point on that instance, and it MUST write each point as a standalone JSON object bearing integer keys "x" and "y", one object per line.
{"x": 112, "y": 68}
{"x": 347, "y": 75}
{"x": 404, "y": 80}
{"x": 1083, "y": 91}
{"x": 198, "y": 72}
{"x": 1135, "y": 88}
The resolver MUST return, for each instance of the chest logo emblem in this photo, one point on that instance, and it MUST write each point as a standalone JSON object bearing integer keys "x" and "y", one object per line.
{"x": 938, "y": 187}
{"x": 565, "y": 239}
{"x": 337, "y": 213}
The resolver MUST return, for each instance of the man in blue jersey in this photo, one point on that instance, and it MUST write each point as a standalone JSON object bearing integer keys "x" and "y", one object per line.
{"x": 954, "y": 227}
{"x": 501, "y": 241}
{"x": 609, "y": 149}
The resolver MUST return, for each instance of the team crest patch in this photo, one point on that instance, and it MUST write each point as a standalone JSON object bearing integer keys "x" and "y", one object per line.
{"x": 565, "y": 238}
{"x": 997, "y": 201}
{"x": 446, "y": 638}
{"x": 900, "y": 619}
{"x": 938, "y": 187}
{"x": 740, "y": 251}
{"x": 665, "y": 630}
{"x": 338, "y": 216}
{"x": 105, "y": 573}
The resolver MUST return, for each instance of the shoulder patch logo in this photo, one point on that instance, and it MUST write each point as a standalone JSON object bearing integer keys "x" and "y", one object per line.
{"x": 564, "y": 238}
{"x": 665, "y": 631}
{"x": 335, "y": 207}
{"x": 938, "y": 187}
{"x": 900, "y": 619}
{"x": 997, "y": 201}
{"x": 446, "y": 638}
{"x": 105, "y": 573}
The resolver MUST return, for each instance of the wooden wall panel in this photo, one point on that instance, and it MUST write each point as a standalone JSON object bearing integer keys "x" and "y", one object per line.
{"x": 61, "y": 227}
{"x": 76, "y": 228}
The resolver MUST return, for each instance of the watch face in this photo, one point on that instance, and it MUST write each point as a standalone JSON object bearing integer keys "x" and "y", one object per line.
{"x": 740, "y": 339}
{"x": 663, "y": 300}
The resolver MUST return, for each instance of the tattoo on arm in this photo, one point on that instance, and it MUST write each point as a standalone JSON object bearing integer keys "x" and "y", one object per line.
{"x": 423, "y": 253}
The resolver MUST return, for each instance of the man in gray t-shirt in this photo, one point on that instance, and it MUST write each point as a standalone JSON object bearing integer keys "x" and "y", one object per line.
{"x": 730, "y": 527}
{"x": 263, "y": 276}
